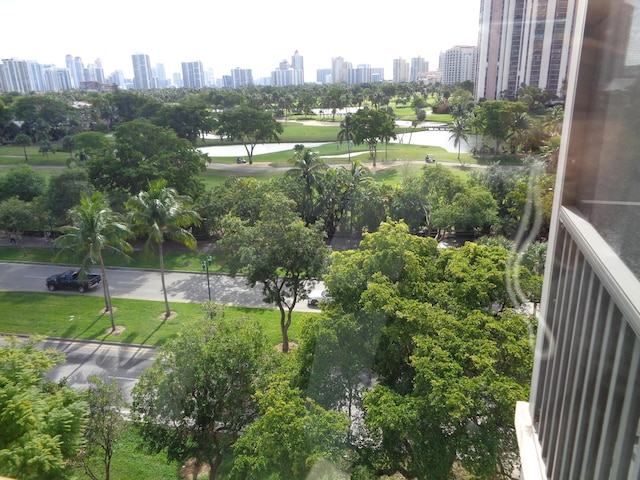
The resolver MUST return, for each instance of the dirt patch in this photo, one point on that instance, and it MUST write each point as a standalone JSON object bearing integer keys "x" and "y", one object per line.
{"x": 188, "y": 469}
{"x": 104, "y": 311}
{"x": 292, "y": 345}
{"x": 171, "y": 316}
{"x": 119, "y": 329}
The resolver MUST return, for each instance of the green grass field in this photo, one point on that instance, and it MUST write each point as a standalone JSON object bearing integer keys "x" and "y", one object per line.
{"x": 79, "y": 317}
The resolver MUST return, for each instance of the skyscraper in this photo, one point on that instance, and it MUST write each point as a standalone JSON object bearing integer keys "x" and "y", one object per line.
{"x": 297, "y": 63}
{"x": 582, "y": 420}
{"x": 523, "y": 42}
{"x": 400, "y": 70}
{"x": 419, "y": 66}
{"x": 193, "y": 75}
{"x": 15, "y": 76}
{"x": 458, "y": 64}
{"x": 241, "y": 77}
{"x": 338, "y": 70}
{"x": 142, "y": 78}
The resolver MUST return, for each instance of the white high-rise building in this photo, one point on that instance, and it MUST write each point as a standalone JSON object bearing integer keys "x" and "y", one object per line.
{"x": 142, "y": 76}
{"x": 400, "y": 70}
{"x": 458, "y": 64}
{"x": 241, "y": 77}
{"x": 15, "y": 76}
{"x": 193, "y": 75}
{"x": 297, "y": 63}
{"x": 419, "y": 66}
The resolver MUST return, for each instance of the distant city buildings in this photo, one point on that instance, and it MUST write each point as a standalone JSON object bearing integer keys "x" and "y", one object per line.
{"x": 419, "y": 67}
{"x": 519, "y": 44}
{"x": 289, "y": 74}
{"x": 458, "y": 64}
{"x": 241, "y": 77}
{"x": 142, "y": 75}
{"x": 400, "y": 70}
{"x": 193, "y": 75}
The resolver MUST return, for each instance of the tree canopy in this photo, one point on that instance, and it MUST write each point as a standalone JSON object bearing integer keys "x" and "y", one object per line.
{"x": 42, "y": 422}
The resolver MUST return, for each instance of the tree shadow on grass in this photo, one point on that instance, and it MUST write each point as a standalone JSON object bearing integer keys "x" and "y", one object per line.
{"x": 78, "y": 335}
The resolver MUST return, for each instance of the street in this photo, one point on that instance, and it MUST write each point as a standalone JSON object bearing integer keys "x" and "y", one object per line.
{"x": 143, "y": 285}
{"x": 126, "y": 363}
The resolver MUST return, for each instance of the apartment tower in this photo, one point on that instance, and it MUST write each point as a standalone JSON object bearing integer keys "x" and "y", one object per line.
{"x": 582, "y": 420}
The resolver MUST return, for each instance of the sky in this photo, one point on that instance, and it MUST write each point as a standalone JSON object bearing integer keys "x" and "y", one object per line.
{"x": 226, "y": 34}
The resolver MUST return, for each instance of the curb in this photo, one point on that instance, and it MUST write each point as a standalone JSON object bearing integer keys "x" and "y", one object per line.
{"x": 80, "y": 340}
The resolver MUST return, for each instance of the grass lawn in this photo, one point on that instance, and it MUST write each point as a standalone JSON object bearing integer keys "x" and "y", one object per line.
{"x": 79, "y": 317}
{"x": 187, "y": 261}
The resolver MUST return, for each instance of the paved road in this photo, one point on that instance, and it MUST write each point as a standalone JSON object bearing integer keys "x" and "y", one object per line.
{"x": 125, "y": 363}
{"x": 143, "y": 285}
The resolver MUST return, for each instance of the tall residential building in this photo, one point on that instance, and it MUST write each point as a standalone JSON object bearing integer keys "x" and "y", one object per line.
{"x": 286, "y": 74}
{"x": 78, "y": 70}
{"x": 15, "y": 76}
{"x": 36, "y": 76}
{"x": 458, "y": 64}
{"x": 193, "y": 75}
{"x": 297, "y": 63}
{"x": 117, "y": 78}
{"x": 338, "y": 70}
{"x": 582, "y": 420}
{"x": 177, "y": 80}
{"x": 323, "y": 75}
{"x": 523, "y": 42}
{"x": 142, "y": 76}
{"x": 400, "y": 70}
{"x": 241, "y": 77}
{"x": 159, "y": 72}
{"x": 419, "y": 66}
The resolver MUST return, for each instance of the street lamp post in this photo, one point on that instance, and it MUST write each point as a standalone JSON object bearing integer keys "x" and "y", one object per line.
{"x": 206, "y": 262}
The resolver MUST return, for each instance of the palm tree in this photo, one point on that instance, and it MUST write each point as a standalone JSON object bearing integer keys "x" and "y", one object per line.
{"x": 96, "y": 228}
{"x": 458, "y": 130}
{"x": 159, "y": 214}
{"x": 345, "y": 133}
{"x": 308, "y": 167}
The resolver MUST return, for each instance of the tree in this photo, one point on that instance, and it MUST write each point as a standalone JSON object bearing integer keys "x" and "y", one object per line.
{"x": 87, "y": 143}
{"x": 197, "y": 398}
{"x": 96, "y": 228}
{"x": 248, "y": 126}
{"x": 497, "y": 118}
{"x": 64, "y": 191}
{"x": 449, "y": 368}
{"x": 46, "y": 147}
{"x": 188, "y": 120}
{"x": 371, "y": 126}
{"x": 105, "y": 424}
{"x": 22, "y": 182}
{"x": 458, "y": 129}
{"x": 280, "y": 252}
{"x": 159, "y": 214}
{"x": 308, "y": 168}
{"x": 24, "y": 141}
{"x": 16, "y": 216}
{"x": 42, "y": 421}
{"x": 142, "y": 153}
{"x": 345, "y": 134}
{"x": 291, "y": 437}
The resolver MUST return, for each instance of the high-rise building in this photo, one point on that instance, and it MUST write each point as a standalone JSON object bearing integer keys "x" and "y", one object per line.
{"x": 458, "y": 64}
{"x": 400, "y": 70}
{"x": 419, "y": 66}
{"x": 159, "y": 72}
{"x": 297, "y": 63}
{"x": 117, "y": 78}
{"x": 15, "y": 76}
{"x": 241, "y": 77}
{"x": 523, "y": 42}
{"x": 142, "y": 76}
{"x": 323, "y": 76}
{"x": 78, "y": 70}
{"x": 338, "y": 70}
{"x": 177, "y": 80}
{"x": 193, "y": 75}
{"x": 582, "y": 420}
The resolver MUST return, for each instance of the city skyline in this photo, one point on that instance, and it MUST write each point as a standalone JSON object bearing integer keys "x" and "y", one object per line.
{"x": 259, "y": 41}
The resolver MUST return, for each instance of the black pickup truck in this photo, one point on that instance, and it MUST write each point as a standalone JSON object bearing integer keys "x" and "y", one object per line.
{"x": 73, "y": 279}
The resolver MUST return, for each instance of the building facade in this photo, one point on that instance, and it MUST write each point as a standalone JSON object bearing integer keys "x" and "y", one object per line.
{"x": 142, "y": 75}
{"x": 241, "y": 77}
{"x": 459, "y": 64}
{"x": 15, "y": 76}
{"x": 523, "y": 42}
{"x": 193, "y": 75}
{"x": 419, "y": 67}
{"x": 400, "y": 70}
{"x": 583, "y": 415}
